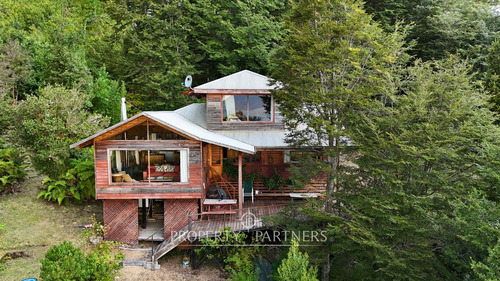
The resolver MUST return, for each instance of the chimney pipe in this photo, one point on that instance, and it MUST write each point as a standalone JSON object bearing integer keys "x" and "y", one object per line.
{"x": 124, "y": 110}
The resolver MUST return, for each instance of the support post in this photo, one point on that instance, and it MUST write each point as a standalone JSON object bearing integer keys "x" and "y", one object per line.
{"x": 240, "y": 183}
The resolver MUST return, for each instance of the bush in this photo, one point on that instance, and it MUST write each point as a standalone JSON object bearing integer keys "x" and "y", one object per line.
{"x": 47, "y": 124}
{"x": 67, "y": 262}
{"x": 11, "y": 166}
{"x": 296, "y": 266}
{"x": 229, "y": 247}
{"x": 76, "y": 184}
{"x": 240, "y": 266}
{"x": 95, "y": 231}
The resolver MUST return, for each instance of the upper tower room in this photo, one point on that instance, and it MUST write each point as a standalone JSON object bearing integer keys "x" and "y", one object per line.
{"x": 240, "y": 101}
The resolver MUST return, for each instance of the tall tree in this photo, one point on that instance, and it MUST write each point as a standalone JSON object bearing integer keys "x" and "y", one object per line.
{"x": 152, "y": 55}
{"x": 233, "y": 35}
{"x": 15, "y": 69}
{"x": 419, "y": 160}
{"x": 333, "y": 65}
{"x": 444, "y": 27}
{"x": 493, "y": 75}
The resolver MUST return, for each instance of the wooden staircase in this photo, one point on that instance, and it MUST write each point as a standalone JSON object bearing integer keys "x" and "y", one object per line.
{"x": 168, "y": 245}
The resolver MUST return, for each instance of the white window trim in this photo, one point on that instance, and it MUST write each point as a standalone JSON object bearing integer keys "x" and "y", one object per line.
{"x": 110, "y": 182}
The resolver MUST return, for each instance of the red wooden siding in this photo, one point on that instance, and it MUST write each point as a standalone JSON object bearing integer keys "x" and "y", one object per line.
{"x": 175, "y": 214}
{"x": 121, "y": 218}
{"x": 105, "y": 190}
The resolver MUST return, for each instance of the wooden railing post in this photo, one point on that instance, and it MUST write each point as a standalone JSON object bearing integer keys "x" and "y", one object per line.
{"x": 190, "y": 221}
{"x": 240, "y": 182}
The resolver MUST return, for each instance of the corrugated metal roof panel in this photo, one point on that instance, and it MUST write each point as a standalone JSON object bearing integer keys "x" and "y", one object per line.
{"x": 243, "y": 80}
{"x": 195, "y": 113}
{"x": 185, "y": 126}
{"x": 259, "y": 139}
{"x": 178, "y": 122}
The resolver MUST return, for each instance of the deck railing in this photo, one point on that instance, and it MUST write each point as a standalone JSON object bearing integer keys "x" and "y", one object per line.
{"x": 221, "y": 182}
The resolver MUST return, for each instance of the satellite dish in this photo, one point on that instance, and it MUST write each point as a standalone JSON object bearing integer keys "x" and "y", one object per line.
{"x": 188, "y": 81}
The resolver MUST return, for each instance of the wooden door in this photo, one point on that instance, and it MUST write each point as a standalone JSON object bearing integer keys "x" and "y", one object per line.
{"x": 215, "y": 156}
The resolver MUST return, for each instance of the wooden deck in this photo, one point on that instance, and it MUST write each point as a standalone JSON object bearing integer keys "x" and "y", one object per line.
{"x": 247, "y": 219}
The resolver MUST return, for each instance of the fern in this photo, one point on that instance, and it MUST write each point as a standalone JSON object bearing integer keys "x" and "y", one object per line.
{"x": 12, "y": 169}
{"x": 77, "y": 184}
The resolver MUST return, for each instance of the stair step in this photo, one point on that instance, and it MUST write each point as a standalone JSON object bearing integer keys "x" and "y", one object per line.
{"x": 169, "y": 245}
{"x": 136, "y": 249}
{"x": 133, "y": 263}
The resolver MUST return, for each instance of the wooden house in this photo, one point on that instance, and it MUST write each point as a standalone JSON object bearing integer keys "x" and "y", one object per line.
{"x": 169, "y": 159}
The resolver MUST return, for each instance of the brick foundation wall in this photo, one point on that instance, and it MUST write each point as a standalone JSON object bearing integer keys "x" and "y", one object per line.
{"x": 121, "y": 218}
{"x": 175, "y": 214}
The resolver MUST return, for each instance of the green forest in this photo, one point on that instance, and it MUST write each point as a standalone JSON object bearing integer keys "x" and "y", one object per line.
{"x": 408, "y": 91}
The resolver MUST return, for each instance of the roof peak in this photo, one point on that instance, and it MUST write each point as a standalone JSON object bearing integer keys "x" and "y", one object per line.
{"x": 242, "y": 80}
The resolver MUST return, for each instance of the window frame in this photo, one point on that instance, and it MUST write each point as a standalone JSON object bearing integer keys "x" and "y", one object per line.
{"x": 110, "y": 180}
{"x": 273, "y": 109}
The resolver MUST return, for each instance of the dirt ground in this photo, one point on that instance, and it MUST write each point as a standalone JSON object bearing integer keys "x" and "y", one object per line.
{"x": 171, "y": 269}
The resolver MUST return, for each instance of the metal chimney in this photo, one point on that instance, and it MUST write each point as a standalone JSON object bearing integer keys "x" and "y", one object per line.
{"x": 124, "y": 109}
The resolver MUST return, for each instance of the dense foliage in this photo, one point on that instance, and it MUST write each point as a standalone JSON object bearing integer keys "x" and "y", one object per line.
{"x": 422, "y": 198}
{"x": 77, "y": 184}
{"x": 425, "y": 151}
{"x": 228, "y": 248}
{"x": 440, "y": 28}
{"x": 67, "y": 262}
{"x": 295, "y": 267}
{"x": 12, "y": 168}
{"x": 50, "y": 122}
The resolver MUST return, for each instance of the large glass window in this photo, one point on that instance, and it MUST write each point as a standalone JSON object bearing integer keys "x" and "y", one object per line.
{"x": 247, "y": 108}
{"x": 129, "y": 166}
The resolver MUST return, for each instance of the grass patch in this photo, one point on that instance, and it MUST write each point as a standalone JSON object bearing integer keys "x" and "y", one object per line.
{"x": 34, "y": 225}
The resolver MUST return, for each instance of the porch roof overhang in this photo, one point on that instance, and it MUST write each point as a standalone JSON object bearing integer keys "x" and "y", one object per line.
{"x": 181, "y": 124}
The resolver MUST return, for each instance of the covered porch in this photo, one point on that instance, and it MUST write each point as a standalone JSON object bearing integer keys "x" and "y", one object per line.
{"x": 235, "y": 178}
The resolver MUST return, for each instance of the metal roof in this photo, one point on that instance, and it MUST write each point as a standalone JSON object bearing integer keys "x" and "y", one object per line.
{"x": 259, "y": 139}
{"x": 191, "y": 120}
{"x": 245, "y": 80}
{"x": 183, "y": 125}
{"x": 178, "y": 122}
{"x": 195, "y": 113}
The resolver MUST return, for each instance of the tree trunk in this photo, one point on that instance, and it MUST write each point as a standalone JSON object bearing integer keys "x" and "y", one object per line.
{"x": 325, "y": 275}
{"x": 331, "y": 176}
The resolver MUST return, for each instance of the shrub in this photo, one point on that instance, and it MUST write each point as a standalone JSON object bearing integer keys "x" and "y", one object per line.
{"x": 67, "y": 262}
{"x": 11, "y": 166}
{"x": 47, "y": 124}
{"x": 240, "y": 266}
{"x": 76, "y": 184}
{"x": 95, "y": 231}
{"x": 229, "y": 247}
{"x": 296, "y": 266}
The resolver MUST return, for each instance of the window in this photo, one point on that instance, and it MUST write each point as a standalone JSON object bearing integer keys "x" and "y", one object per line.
{"x": 247, "y": 108}
{"x": 292, "y": 156}
{"x": 140, "y": 132}
{"x": 145, "y": 166}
